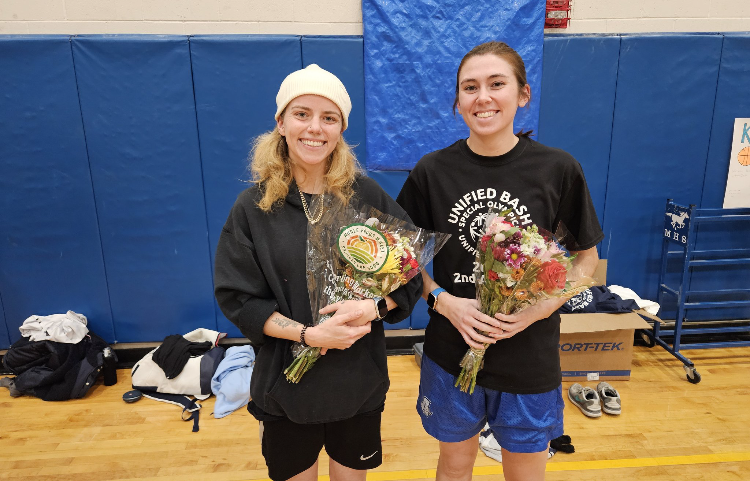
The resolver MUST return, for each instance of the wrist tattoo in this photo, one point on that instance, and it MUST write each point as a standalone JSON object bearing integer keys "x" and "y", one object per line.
{"x": 283, "y": 322}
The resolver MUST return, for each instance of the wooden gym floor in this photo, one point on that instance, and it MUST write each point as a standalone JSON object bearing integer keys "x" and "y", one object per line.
{"x": 669, "y": 429}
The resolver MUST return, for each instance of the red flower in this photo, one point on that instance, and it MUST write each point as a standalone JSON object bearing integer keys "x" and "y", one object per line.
{"x": 492, "y": 275}
{"x": 483, "y": 242}
{"x": 413, "y": 263}
{"x": 499, "y": 253}
{"x": 552, "y": 275}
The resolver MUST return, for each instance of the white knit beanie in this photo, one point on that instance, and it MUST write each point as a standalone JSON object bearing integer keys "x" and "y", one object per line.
{"x": 313, "y": 80}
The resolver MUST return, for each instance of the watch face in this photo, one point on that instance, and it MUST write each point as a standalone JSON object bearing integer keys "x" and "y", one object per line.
{"x": 430, "y": 301}
{"x": 382, "y": 308}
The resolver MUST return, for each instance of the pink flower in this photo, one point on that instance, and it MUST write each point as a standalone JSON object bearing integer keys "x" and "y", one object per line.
{"x": 552, "y": 250}
{"x": 514, "y": 257}
{"x": 498, "y": 224}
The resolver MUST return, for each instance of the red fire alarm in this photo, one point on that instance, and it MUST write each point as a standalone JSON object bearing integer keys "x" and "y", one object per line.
{"x": 558, "y": 14}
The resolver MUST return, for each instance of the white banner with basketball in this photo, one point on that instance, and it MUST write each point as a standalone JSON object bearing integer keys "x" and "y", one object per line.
{"x": 738, "y": 177}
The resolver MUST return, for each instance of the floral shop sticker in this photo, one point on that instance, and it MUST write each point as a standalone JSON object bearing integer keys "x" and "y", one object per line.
{"x": 364, "y": 247}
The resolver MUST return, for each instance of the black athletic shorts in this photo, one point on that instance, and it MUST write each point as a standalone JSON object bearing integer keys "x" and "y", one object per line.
{"x": 291, "y": 448}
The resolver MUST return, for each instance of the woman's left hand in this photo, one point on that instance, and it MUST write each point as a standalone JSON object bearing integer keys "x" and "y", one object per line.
{"x": 367, "y": 306}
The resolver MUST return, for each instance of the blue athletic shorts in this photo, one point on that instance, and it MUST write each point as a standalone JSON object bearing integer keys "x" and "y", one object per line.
{"x": 522, "y": 423}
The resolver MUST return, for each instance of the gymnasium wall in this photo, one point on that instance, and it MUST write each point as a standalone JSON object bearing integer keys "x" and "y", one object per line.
{"x": 336, "y": 17}
{"x": 120, "y": 157}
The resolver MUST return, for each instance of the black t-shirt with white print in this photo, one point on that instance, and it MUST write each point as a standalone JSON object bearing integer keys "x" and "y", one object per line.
{"x": 451, "y": 190}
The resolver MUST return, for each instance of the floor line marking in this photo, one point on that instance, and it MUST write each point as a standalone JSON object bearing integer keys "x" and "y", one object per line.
{"x": 569, "y": 466}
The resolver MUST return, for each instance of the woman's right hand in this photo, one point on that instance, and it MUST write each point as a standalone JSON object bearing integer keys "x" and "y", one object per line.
{"x": 334, "y": 333}
{"x": 465, "y": 317}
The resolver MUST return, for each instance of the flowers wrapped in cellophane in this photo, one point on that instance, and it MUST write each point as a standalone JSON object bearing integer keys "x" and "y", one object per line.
{"x": 515, "y": 268}
{"x": 357, "y": 253}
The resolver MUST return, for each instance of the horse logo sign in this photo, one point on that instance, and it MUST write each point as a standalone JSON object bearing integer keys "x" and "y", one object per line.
{"x": 676, "y": 223}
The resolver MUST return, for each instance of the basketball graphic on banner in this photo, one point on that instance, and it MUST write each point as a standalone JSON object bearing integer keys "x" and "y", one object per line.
{"x": 364, "y": 247}
{"x": 744, "y": 156}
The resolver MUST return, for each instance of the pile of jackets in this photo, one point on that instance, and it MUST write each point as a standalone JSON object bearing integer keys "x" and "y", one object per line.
{"x": 58, "y": 358}
{"x": 195, "y": 366}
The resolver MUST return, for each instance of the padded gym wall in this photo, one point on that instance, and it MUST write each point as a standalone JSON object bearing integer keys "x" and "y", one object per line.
{"x": 167, "y": 155}
{"x": 138, "y": 111}
{"x": 235, "y": 80}
{"x": 344, "y": 57}
{"x": 579, "y": 77}
{"x": 664, "y": 105}
{"x": 4, "y": 338}
{"x": 732, "y": 101}
{"x": 50, "y": 252}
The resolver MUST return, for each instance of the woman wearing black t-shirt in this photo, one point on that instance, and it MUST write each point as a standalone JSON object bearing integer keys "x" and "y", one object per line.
{"x": 450, "y": 190}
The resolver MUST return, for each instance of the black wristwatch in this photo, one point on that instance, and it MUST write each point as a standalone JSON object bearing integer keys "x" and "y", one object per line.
{"x": 432, "y": 297}
{"x": 382, "y": 307}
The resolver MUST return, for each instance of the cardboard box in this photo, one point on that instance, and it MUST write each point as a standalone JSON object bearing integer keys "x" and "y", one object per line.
{"x": 598, "y": 346}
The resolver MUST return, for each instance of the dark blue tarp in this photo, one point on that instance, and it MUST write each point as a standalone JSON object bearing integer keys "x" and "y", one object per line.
{"x": 412, "y": 51}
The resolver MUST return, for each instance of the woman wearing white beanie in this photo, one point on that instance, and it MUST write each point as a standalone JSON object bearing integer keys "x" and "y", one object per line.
{"x": 261, "y": 286}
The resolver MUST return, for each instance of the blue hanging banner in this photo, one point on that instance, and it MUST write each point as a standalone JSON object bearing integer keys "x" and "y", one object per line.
{"x": 412, "y": 52}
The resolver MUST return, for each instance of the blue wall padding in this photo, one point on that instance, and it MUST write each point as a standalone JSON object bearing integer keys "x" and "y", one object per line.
{"x": 50, "y": 253}
{"x": 236, "y": 79}
{"x": 344, "y": 57}
{"x": 666, "y": 87}
{"x": 139, "y": 115}
{"x": 4, "y": 338}
{"x": 732, "y": 101}
{"x": 412, "y": 52}
{"x": 578, "y": 101}
{"x": 392, "y": 182}
{"x": 119, "y": 164}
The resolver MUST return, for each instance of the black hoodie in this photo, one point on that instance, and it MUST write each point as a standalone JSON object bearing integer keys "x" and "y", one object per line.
{"x": 259, "y": 269}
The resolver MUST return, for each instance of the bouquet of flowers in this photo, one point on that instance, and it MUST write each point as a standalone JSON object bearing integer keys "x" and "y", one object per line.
{"x": 358, "y": 253}
{"x": 515, "y": 268}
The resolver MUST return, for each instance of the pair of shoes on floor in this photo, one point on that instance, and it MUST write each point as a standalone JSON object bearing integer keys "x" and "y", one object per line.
{"x": 592, "y": 402}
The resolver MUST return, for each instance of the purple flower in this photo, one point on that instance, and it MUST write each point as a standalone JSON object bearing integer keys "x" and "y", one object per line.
{"x": 514, "y": 257}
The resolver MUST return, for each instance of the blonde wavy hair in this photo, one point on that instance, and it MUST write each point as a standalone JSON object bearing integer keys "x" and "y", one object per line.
{"x": 271, "y": 169}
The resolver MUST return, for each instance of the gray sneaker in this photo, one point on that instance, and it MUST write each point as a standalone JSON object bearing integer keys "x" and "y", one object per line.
{"x": 609, "y": 397}
{"x": 585, "y": 399}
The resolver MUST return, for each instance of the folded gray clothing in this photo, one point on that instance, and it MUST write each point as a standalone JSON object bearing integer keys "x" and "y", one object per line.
{"x": 11, "y": 385}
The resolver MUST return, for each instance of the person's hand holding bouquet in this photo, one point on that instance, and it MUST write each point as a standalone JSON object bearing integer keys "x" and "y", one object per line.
{"x": 518, "y": 269}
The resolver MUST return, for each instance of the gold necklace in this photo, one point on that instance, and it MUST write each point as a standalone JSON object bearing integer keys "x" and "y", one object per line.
{"x": 307, "y": 212}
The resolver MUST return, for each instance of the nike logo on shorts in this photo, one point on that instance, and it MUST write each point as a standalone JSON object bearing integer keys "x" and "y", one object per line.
{"x": 363, "y": 458}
